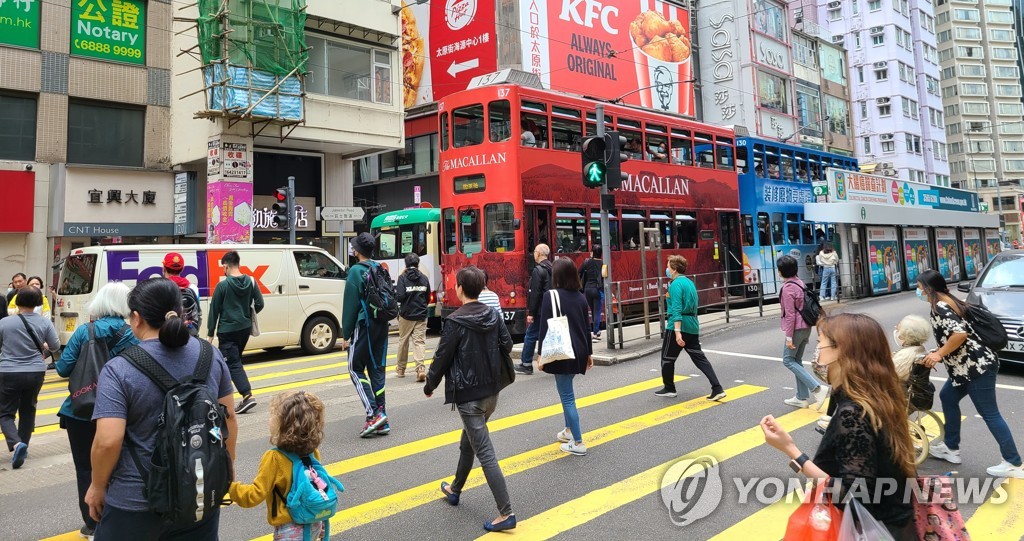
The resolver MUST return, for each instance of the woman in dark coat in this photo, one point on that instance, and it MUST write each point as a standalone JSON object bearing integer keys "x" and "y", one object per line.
{"x": 565, "y": 283}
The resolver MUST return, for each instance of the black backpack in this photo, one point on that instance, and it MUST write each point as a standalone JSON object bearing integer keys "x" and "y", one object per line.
{"x": 192, "y": 311}
{"x": 811, "y": 310}
{"x": 987, "y": 328}
{"x": 93, "y": 355}
{"x": 379, "y": 299}
{"x": 190, "y": 471}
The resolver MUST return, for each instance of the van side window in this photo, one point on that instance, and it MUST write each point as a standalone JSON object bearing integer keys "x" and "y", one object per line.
{"x": 316, "y": 265}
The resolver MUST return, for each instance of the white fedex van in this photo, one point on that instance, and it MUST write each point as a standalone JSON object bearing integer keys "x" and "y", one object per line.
{"x": 302, "y": 286}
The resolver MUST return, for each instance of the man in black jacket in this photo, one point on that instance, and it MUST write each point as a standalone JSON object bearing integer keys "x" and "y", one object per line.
{"x": 413, "y": 293}
{"x": 473, "y": 357}
{"x": 540, "y": 283}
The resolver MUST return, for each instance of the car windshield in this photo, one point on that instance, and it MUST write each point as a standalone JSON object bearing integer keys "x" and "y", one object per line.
{"x": 1005, "y": 271}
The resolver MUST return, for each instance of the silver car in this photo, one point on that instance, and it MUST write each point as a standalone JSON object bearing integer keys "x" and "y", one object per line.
{"x": 1000, "y": 288}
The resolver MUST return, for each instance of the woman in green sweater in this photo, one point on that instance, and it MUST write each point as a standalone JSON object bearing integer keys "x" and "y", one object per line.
{"x": 682, "y": 331}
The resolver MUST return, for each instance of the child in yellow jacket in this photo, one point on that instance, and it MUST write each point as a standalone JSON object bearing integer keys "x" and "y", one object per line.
{"x": 296, "y": 426}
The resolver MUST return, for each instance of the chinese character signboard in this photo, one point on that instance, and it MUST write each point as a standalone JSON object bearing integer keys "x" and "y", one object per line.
{"x": 444, "y": 45}
{"x": 719, "y": 60}
{"x": 264, "y": 217}
{"x": 109, "y": 30}
{"x": 229, "y": 205}
{"x": 860, "y": 187}
{"x": 19, "y": 23}
{"x": 236, "y": 160}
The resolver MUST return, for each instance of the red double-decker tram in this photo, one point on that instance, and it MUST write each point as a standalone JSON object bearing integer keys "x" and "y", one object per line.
{"x": 511, "y": 177}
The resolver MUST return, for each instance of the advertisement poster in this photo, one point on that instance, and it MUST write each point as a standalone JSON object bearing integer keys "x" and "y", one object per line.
{"x": 946, "y": 252}
{"x": 19, "y": 23}
{"x": 444, "y": 45}
{"x": 230, "y": 212}
{"x": 108, "y": 29}
{"x": 917, "y": 254}
{"x": 992, "y": 246}
{"x": 610, "y": 48}
{"x": 851, "y": 186}
{"x": 236, "y": 160}
{"x": 883, "y": 255}
{"x": 972, "y": 252}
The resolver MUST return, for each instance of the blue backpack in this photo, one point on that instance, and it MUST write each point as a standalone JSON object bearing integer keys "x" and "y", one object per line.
{"x": 307, "y": 504}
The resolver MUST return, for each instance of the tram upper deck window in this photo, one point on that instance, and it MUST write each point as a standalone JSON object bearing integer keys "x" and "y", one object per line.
{"x": 613, "y": 228}
{"x": 786, "y": 164}
{"x": 634, "y": 144}
{"x": 632, "y": 224}
{"x": 468, "y": 126}
{"x": 793, "y": 228}
{"x": 592, "y": 126}
{"x": 742, "y": 160}
{"x": 657, "y": 143}
{"x": 771, "y": 158}
{"x": 763, "y": 226}
{"x": 704, "y": 147}
{"x": 534, "y": 122}
{"x": 687, "y": 229}
{"x": 748, "y": 229}
{"x": 802, "y": 175}
{"x": 570, "y": 231}
{"x": 566, "y": 129}
{"x": 443, "y": 128}
{"x": 682, "y": 147}
{"x": 778, "y": 229}
{"x": 664, "y": 224}
{"x": 723, "y": 154}
{"x": 499, "y": 118}
{"x": 814, "y": 168}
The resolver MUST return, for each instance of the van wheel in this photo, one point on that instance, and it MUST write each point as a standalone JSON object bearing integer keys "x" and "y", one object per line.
{"x": 319, "y": 335}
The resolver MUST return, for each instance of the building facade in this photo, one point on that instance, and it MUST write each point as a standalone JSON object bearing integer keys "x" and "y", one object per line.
{"x": 981, "y": 89}
{"x": 896, "y": 94}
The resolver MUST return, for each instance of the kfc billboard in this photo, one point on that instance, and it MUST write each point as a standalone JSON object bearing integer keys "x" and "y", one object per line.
{"x": 607, "y": 48}
{"x": 444, "y": 45}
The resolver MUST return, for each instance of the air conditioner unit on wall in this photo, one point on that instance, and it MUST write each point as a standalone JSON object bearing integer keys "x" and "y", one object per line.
{"x": 886, "y": 165}
{"x": 890, "y": 172}
{"x": 833, "y": 5}
{"x": 881, "y": 64}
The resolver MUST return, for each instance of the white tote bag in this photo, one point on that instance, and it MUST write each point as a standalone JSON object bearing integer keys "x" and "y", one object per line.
{"x": 557, "y": 344}
{"x": 255, "y": 330}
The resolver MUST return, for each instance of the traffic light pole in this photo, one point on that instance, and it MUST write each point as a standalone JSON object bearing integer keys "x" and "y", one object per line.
{"x": 606, "y": 243}
{"x": 291, "y": 210}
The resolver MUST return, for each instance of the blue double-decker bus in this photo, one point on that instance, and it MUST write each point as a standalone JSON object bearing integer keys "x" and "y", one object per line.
{"x": 775, "y": 180}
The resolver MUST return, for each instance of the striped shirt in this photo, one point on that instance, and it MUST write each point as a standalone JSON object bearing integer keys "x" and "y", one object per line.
{"x": 490, "y": 298}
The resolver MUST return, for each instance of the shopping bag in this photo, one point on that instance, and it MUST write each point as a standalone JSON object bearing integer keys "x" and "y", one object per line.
{"x": 859, "y": 525}
{"x": 816, "y": 519}
{"x": 557, "y": 345}
{"x": 935, "y": 511}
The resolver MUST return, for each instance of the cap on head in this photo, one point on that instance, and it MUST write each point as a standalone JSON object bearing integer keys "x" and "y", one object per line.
{"x": 173, "y": 261}
{"x": 364, "y": 244}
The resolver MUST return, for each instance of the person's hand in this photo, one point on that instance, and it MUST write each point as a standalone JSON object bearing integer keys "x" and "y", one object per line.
{"x": 775, "y": 435}
{"x": 529, "y": 320}
{"x": 789, "y": 344}
{"x": 933, "y": 358}
{"x": 94, "y": 498}
{"x": 209, "y": 338}
{"x": 428, "y": 392}
{"x": 590, "y": 362}
{"x": 680, "y": 341}
{"x": 344, "y": 344}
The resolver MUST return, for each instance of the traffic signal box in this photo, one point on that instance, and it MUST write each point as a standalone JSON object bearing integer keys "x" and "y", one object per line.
{"x": 616, "y": 156}
{"x": 283, "y": 207}
{"x": 602, "y": 161}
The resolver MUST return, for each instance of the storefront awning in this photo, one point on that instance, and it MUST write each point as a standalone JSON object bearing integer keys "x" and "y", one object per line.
{"x": 872, "y": 214}
{"x": 868, "y": 167}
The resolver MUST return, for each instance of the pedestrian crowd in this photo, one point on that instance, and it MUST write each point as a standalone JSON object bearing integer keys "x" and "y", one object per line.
{"x": 139, "y": 373}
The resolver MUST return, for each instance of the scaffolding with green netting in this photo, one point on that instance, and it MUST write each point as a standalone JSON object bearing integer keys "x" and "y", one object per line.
{"x": 254, "y": 58}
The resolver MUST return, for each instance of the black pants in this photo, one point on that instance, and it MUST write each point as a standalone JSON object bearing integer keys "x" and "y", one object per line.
{"x": 367, "y": 362}
{"x": 231, "y": 345}
{"x": 670, "y": 352}
{"x": 80, "y": 436}
{"x": 19, "y": 392}
{"x": 117, "y": 525}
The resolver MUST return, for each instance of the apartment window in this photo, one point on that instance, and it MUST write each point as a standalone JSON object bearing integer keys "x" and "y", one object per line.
{"x": 912, "y": 108}
{"x": 1004, "y": 53}
{"x": 953, "y": 129}
{"x": 770, "y": 19}
{"x": 838, "y": 111}
{"x": 1013, "y": 146}
{"x": 863, "y": 109}
{"x": 856, "y": 39}
{"x": 972, "y": 70}
{"x": 1007, "y": 72}
{"x": 904, "y": 39}
{"x": 1011, "y": 109}
{"x": 935, "y": 117}
{"x": 884, "y": 106}
{"x": 942, "y": 18}
{"x": 888, "y": 144}
{"x": 772, "y": 91}
{"x": 881, "y": 71}
{"x": 1014, "y": 165}
{"x": 123, "y": 129}
{"x": 836, "y": 13}
{"x": 976, "y": 108}
{"x": 1011, "y": 128}
{"x": 933, "y": 85}
{"x": 973, "y": 89}
{"x": 931, "y": 54}
{"x": 956, "y": 148}
{"x": 927, "y": 21}
{"x": 913, "y": 144}
{"x": 969, "y": 52}
{"x": 874, "y": 5}
{"x": 949, "y": 91}
{"x": 902, "y": 6}
{"x": 968, "y": 33}
{"x": 805, "y": 52}
{"x": 348, "y": 70}
{"x": 946, "y": 54}
{"x": 808, "y": 105}
{"x": 907, "y": 74}
{"x": 999, "y": 16}
{"x": 1008, "y": 91}
{"x": 948, "y": 73}
{"x": 952, "y": 110}
{"x": 856, "y": 7}
{"x": 978, "y": 126}
{"x": 867, "y": 144}
{"x": 985, "y": 165}
{"x": 17, "y": 127}
{"x": 996, "y": 34}
{"x": 860, "y": 74}
{"x": 961, "y": 14}
{"x": 877, "y": 40}
{"x": 979, "y": 146}
{"x": 944, "y": 36}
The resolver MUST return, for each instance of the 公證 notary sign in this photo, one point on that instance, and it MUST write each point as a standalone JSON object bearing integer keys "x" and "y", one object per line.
{"x": 341, "y": 213}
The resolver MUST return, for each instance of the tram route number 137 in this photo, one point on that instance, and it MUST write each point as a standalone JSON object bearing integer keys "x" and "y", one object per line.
{"x": 508, "y": 316}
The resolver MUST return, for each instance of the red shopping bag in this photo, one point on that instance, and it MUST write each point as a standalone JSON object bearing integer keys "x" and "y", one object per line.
{"x": 816, "y": 519}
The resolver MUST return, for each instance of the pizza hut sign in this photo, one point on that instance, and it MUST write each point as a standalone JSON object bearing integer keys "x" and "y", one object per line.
{"x": 459, "y": 13}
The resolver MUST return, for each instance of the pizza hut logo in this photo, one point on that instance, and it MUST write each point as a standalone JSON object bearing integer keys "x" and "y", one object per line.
{"x": 459, "y": 13}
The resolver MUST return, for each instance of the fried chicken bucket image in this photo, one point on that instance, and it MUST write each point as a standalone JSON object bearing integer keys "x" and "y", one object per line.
{"x": 661, "y": 51}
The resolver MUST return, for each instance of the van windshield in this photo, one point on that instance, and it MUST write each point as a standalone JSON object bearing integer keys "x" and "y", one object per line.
{"x": 76, "y": 276}
{"x": 397, "y": 242}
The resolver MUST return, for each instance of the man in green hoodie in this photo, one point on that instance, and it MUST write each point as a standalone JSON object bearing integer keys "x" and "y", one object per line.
{"x": 231, "y": 306}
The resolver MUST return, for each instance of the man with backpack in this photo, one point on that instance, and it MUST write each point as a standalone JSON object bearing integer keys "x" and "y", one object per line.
{"x": 192, "y": 312}
{"x": 231, "y": 307}
{"x": 368, "y": 305}
{"x": 540, "y": 283}
{"x": 413, "y": 294}
{"x": 797, "y": 306}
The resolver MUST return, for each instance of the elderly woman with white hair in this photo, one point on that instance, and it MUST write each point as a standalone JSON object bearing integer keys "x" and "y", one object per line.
{"x": 107, "y": 313}
{"x": 911, "y": 334}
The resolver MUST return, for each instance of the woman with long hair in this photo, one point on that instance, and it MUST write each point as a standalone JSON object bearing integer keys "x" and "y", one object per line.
{"x": 868, "y": 439}
{"x": 972, "y": 371}
{"x": 592, "y": 278}
{"x": 565, "y": 283}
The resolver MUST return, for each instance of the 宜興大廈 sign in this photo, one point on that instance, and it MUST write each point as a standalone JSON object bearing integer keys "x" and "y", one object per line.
{"x": 109, "y": 30}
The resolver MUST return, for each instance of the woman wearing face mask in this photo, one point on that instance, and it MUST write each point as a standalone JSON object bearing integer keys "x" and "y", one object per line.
{"x": 682, "y": 331}
{"x": 972, "y": 371}
{"x": 869, "y": 442}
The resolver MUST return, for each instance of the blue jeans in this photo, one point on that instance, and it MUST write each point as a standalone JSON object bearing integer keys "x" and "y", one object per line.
{"x": 793, "y": 359}
{"x": 982, "y": 391}
{"x": 828, "y": 283}
{"x": 530, "y": 343}
{"x": 563, "y": 382}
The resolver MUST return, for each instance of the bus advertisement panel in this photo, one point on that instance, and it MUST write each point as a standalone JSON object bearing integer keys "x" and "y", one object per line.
{"x": 992, "y": 245}
{"x": 972, "y": 252}
{"x": 947, "y": 255}
{"x": 917, "y": 252}
{"x": 886, "y": 275}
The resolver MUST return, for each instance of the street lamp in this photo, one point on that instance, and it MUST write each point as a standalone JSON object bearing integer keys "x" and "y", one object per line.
{"x": 794, "y": 134}
{"x": 395, "y": 9}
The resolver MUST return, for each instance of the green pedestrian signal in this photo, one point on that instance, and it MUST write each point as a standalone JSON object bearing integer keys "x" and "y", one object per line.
{"x": 595, "y": 172}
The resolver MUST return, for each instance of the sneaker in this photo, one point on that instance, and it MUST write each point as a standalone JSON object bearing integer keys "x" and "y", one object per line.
{"x": 421, "y": 375}
{"x": 399, "y": 373}
{"x": 1005, "y": 469}
{"x": 373, "y": 424}
{"x": 595, "y": 338}
{"x": 666, "y": 393}
{"x": 820, "y": 396}
{"x": 384, "y": 429}
{"x": 574, "y": 448}
{"x": 940, "y": 451}
{"x": 51, "y": 366}
{"x": 87, "y": 532}
{"x": 823, "y": 422}
{"x": 715, "y": 396}
{"x": 796, "y": 402}
{"x": 524, "y": 369}
{"x": 564, "y": 436}
{"x": 20, "y": 452}
{"x": 245, "y": 405}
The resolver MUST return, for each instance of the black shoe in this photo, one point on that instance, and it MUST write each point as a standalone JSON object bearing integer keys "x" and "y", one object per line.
{"x": 87, "y": 532}
{"x": 716, "y": 395}
{"x": 523, "y": 369}
{"x": 51, "y": 366}
{"x": 245, "y": 405}
{"x": 506, "y": 524}
{"x": 452, "y": 497}
{"x": 666, "y": 393}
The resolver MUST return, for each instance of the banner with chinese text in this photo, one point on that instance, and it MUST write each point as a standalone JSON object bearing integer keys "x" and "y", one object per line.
{"x": 19, "y": 23}
{"x": 109, "y": 30}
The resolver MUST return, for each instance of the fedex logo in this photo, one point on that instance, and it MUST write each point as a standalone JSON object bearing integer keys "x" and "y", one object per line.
{"x": 206, "y": 271}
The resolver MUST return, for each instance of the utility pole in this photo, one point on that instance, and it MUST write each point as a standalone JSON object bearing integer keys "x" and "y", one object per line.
{"x": 607, "y": 203}
{"x": 291, "y": 210}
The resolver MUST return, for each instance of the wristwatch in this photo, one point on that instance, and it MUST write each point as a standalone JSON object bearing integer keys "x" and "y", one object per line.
{"x": 797, "y": 464}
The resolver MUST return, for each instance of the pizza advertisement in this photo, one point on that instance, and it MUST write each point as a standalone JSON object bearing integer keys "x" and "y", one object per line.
{"x": 444, "y": 45}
